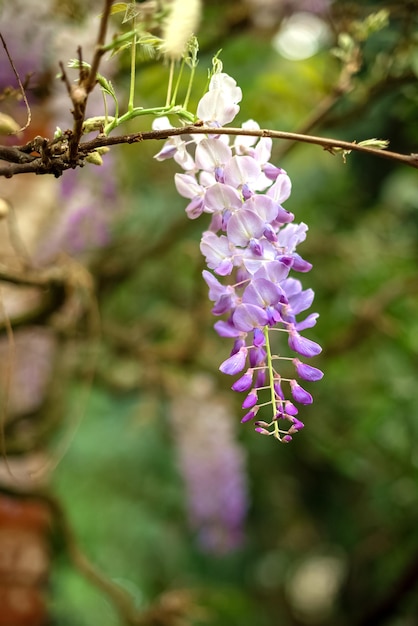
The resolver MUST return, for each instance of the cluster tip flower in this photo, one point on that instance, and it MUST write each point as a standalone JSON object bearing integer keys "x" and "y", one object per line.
{"x": 250, "y": 248}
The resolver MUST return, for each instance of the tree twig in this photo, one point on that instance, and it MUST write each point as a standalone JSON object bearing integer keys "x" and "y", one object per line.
{"x": 22, "y": 89}
{"x": 87, "y": 80}
{"x": 48, "y": 163}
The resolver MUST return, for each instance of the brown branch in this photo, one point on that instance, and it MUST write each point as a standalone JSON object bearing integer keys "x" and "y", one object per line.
{"x": 56, "y": 165}
{"x": 14, "y": 154}
{"x": 328, "y": 144}
{"x": 87, "y": 80}
{"x": 22, "y": 89}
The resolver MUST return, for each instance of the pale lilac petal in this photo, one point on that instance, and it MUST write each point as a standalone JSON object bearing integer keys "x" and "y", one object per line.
{"x": 240, "y": 170}
{"x": 211, "y": 154}
{"x": 187, "y": 186}
{"x": 275, "y": 271}
{"x": 195, "y": 208}
{"x": 262, "y": 293}
{"x": 183, "y": 158}
{"x": 299, "y": 264}
{"x": 246, "y": 317}
{"x": 161, "y": 123}
{"x": 281, "y": 188}
{"x": 168, "y": 150}
{"x": 301, "y": 301}
{"x": 292, "y": 286}
{"x": 266, "y": 208}
{"x": 215, "y": 106}
{"x": 262, "y": 431}
{"x": 242, "y": 143}
{"x": 220, "y": 197}
{"x": 216, "y": 289}
{"x": 217, "y": 252}
{"x": 243, "y": 226}
{"x": 308, "y": 322}
{"x": 271, "y": 171}
{"x": 228, "y": 85}
{"x": 263, "y": 151}
{"x": 291, "y": 235}
{"x": 227, "y": 329}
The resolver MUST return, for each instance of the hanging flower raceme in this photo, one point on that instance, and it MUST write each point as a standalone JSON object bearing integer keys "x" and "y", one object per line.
{"x": 251, "y": 246}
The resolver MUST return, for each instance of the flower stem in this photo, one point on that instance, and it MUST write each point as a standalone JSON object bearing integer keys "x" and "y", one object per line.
{"x": 170, "y": 83}
{"x": 133, "y": 70}
{"x": 271, "y": 382}
{"x": 189, "y": 87}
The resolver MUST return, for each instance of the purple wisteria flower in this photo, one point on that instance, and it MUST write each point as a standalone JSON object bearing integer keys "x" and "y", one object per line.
{"x": 251, "y": 245}
{"x": 212, "y": 463}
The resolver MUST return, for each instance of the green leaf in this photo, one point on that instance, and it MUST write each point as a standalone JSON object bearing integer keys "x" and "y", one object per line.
{"x": 118, "y": 7}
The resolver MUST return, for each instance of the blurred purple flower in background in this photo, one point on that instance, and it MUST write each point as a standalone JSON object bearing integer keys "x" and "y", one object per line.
{"x": 25, "y": 369}
{"x": 212, "y": 464}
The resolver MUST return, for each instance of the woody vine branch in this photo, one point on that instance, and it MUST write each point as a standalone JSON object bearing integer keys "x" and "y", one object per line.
{"x": 43, "y": 156}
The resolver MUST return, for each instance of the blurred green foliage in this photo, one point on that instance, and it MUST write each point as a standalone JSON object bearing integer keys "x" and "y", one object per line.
{"x": 347, "y": 486}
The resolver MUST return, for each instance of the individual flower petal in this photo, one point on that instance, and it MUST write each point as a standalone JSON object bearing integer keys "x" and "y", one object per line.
{"x": 216, "y": 289}
{"x": 262, "y": 151}
{"x": 257, "y": 358}
{"x": 195, "y": 208}
{"x": 259, "y": 338}
{"x": 187, "y": 186}
{"x": 243, "y": 226}
{"x": 212, "y": 154}
{"x": 290, "y": 236}
{"x": 305, "y": 347}
{"x": 307, "y": 372}
{"x": 219, "y": 104}
{"x": 263, "y": 206}
{"x": 243, "y": 143}
{"x": 246, "y": 317}
{"x": 281, "y": 188}
{"x": 290, "y": 409}
{"x": 217, "y": 252}
{"x": 244, "y": 383}
{"x": 299, "y": 393}
{"x": 297, "y": 424}
{"x": 262, "y": 292}
{"x": 251, "y": 400}
{"x": 262, "y": 431}
{"x": 227, "y": 329}
{"x": 299, "y": 264}
{"x": 249, "y": 416}
{"x": 308, "y": 322}
{"x": 235, "y": 363}
{"x": 220, "y": 197}
{"x": 301, "y": 301}
{"x": 271, "y": 171}
{"x": 240, "y": 170}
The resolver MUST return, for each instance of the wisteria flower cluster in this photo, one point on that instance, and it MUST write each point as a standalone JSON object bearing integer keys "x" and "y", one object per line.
{"x": 251, "y": 245}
